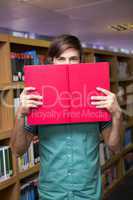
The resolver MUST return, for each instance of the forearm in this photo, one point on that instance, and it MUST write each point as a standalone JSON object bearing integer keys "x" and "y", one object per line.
{"x": 20, "y": 140}
{"x": 114, "y": 136}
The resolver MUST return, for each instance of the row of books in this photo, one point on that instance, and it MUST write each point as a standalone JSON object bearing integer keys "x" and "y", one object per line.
{"x": 6, "y": 167}
{"x": 128, "y": 136}
{"x": 103, "y": 58}
{"x": 29, "y": 190}
{"x": 122, "y": 66}
{"x": 31, "y": 157}
{"x": 105, "y": 153}
{"x": 128, "y": 161}
{"x": 109, "y": 176}
{"x": 122, "y": 69}
{"x": 125, "y": 97}
{"x": 18, "y": 60}
{"x": 16, "y": 104}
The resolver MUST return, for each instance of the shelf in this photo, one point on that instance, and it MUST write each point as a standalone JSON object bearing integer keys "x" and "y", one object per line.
{"x": 4, "y": 87}
{"x": 29, "y": 171}
{"x": 112, "y": 187}
{"x": 107, "y": 52}
{"x": 3, "y": 37}
{"x": 5, "y": 134}
{"x": 10, "y": 89}
{"x": 28, "y": 41}
{"x": 127, "y": 149}
{"x": 111, "y": 161}
{"x": 129, "y": 173}
{"x": 13, "y": 85}
{"x": 125, "y": 79}
{"x": 112, "y": 80}
{"x": 8, "y": 182}
{"x": 129, "y": 124}
{"x": 17, "y": 85}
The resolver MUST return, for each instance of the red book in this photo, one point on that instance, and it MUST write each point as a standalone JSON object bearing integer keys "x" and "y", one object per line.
{"x": 66, "y": 91}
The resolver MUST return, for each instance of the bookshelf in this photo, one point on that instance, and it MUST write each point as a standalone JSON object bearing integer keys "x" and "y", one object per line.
{"x": 114, "y": 167}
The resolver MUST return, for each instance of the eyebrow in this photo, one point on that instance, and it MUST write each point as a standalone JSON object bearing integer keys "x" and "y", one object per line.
{"x": 72, "y": 57}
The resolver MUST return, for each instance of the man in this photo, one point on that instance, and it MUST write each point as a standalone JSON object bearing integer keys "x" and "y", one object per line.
{"x": 69, "y": 153}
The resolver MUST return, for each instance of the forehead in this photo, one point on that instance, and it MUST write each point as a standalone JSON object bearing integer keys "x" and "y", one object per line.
{"x": 70, "y": 53}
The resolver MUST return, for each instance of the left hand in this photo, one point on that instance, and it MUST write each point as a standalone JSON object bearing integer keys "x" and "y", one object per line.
{"x": 108, "y": 101}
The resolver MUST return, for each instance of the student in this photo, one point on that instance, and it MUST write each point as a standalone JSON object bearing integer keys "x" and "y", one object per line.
{"x": 69, "y": 153}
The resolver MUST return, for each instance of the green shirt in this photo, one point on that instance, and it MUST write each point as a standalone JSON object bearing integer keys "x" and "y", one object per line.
{"x": 70, "y": 166}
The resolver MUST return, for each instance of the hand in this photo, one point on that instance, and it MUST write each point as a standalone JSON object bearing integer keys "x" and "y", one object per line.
{"x": 108, "y": 101}
{"x": 28, "y": 101}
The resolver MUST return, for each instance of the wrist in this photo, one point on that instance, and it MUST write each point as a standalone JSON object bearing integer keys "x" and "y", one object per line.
{"x": 117, "y": 115}
{"x": 20, "y": 113}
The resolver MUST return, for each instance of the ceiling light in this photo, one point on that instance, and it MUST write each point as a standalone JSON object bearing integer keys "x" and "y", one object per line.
{"x": 23, "y": 1}
{"x": 121, "y": 27}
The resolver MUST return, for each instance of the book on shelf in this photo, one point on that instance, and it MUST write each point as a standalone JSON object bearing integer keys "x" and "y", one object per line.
{"x": 109, "y": 176}
{"x": 128, "y": 136}
{"x": 6, "y": 167}
{"x": 129, "y": 101}
{"x": 16, "y": 99}
{"x": 128, "y": 161}
{"x": 18, "y": 60}
{"x": 129, "y": 88}
{"x": 105, "y": 153}
{"x": 29, "y": 189}
{"x": 103, "y": 58}
{"x": 67, "y": 91}
{"x": 121, "y": 95}
{"x": 122, "y": 69}
{"x": 30, "y": 157}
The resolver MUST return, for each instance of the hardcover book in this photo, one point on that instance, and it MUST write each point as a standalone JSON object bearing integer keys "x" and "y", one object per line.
{"x": 67, "y": 91}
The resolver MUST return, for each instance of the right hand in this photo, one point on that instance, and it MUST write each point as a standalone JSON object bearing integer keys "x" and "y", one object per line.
{"x": 28, "y": 101}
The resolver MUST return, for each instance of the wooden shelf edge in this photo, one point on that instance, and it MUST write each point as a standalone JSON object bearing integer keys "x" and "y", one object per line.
{"x": 111, "y": 161}
{"x": 3, "y": 37}
{"x": 5, "y": 134}
{"x": 8, "y": 182}
{"x": 129, "y": 173}
{"x": 115, "y": 184}
{"x": 127, "y": 149}
{"x": 29, "y": 41}
{"x": 5, "y": 86}
{"x": 29, "y": 171}
{"x": 17, "y": 85}
{"x": 111, "y": 188}
{"x": 125, "y": 79}
{"x": 13, "y": 85}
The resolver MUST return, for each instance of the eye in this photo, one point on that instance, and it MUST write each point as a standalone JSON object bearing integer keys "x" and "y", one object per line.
{"x": 61, "y": 58}
{"x": 75, "y": 58}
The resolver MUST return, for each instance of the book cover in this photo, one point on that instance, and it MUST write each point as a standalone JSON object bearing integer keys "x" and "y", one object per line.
{"x": 66, "y": 91}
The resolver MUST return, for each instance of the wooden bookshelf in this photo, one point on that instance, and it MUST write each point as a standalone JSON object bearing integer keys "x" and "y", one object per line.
{"x": 29, "y": 171}
{"x": 10, "y": 44}
{"x": 8, "y": 182}
{"x": 111, "y": 188}
{"x": 111, "y": 161}
{"x": 5, "y": 134}
{"x": 30, "y": 42}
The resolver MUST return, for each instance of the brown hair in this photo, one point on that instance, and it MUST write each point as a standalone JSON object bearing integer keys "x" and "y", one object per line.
{"x": 62, "y": 43}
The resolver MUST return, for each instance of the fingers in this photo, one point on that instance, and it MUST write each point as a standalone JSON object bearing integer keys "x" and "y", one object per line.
{"x": 104, "y": 91}
{"x": 37, "y": 97}
{"x": 35, "y": 102}
{"x": 96, "y": 103}
{"x": 98, "y": 97}
{"x": 27, "y": 89}
{"x": 28, "y": 101}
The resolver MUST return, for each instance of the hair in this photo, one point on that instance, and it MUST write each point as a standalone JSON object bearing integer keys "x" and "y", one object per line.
{"x": 61, "y": 44}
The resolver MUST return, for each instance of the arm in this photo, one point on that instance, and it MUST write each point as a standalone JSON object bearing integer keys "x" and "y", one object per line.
{"x": 111, "y": 134}
{"x": 20, "y": 138}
